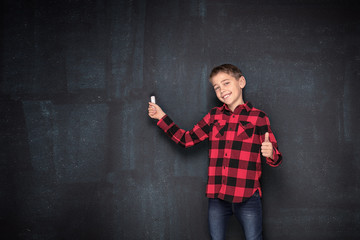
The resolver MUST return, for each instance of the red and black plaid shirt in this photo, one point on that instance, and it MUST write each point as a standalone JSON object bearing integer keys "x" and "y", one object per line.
{"x": 235, "y": 142}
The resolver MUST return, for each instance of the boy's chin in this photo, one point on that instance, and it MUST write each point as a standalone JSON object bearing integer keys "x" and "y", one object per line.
{"x": 226, "y": 101}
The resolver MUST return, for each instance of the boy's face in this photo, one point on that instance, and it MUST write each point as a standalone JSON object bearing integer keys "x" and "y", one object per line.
{"x": 228, "y": 89}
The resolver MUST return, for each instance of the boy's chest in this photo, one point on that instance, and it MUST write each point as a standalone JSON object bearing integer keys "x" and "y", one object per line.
{"x": 235, "y": 128}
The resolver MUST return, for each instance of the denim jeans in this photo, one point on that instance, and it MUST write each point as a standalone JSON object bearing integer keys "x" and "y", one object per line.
{"x": 248, "y": 213}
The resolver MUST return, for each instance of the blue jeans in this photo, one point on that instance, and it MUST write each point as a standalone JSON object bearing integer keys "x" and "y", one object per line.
{"x": 248, "y": 213}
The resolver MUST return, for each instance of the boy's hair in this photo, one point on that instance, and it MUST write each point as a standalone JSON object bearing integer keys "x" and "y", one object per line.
{"x": 228, "y": 69}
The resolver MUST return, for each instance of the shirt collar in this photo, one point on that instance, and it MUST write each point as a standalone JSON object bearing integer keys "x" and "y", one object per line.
{"x": 247, "y": 106}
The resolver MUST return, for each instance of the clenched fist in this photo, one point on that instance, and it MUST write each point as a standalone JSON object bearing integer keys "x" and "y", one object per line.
{"x": 155, "y": 111}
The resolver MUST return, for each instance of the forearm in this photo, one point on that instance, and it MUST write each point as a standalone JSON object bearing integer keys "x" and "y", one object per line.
{"x": 180, "y": 136}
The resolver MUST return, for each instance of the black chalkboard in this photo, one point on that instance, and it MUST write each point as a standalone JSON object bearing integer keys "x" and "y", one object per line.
{"x": 80, "y": 158}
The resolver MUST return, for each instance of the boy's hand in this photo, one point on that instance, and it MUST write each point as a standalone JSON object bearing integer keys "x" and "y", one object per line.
{"x": 155, "y": 111}
{"x": 267, "y": 149}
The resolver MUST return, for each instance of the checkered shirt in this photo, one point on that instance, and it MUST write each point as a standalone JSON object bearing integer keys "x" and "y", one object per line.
{"x": 235, "y": 149}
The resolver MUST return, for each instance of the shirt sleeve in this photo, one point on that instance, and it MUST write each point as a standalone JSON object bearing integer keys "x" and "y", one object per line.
{"x": 184, "y": 138}
{"x": 277, "y": 156}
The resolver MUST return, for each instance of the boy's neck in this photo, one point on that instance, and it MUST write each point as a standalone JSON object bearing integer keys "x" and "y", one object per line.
{"x": 234, "y": 106}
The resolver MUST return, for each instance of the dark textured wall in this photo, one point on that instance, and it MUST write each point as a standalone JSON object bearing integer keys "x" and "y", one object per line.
{"x": 80, "y": 158}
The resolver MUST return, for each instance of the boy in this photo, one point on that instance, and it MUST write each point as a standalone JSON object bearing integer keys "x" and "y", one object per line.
{"x": 239, "y": 138}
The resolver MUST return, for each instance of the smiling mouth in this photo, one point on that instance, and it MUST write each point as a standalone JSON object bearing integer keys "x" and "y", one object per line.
{"x": 226, "y": 96}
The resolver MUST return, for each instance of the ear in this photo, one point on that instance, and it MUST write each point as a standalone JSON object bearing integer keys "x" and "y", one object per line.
{"x": 242, "y": 81}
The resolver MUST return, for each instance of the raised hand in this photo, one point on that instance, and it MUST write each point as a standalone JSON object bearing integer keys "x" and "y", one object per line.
{"x": 155, "y": 111}
{"x": 267, "y": 149}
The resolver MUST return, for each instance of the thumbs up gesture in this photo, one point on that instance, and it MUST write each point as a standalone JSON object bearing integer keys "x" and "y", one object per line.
{"x": 267, "y": 149}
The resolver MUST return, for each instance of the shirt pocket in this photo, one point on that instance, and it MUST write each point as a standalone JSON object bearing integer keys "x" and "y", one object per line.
{"x": 219, "y": 128}
{"x": 245, "y": 130}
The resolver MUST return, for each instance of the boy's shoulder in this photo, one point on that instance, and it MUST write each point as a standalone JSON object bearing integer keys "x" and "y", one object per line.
{"x": 215, "y": 110}
{"x": 257, "y": 112}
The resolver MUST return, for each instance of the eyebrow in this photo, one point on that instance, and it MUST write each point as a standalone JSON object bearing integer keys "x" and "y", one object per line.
{"x": 221, "y": 81}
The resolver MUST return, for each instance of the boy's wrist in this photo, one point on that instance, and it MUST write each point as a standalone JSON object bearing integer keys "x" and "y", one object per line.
{"x": 274, "y": 155}
{"x": 161, "y": 117}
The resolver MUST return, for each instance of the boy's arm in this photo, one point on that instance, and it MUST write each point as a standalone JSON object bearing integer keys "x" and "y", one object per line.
{"x": 199, "y": 133}
{"x": 269, "y": 141}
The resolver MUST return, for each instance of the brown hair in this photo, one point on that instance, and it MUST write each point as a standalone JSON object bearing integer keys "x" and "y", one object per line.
{"x": 228, "y": 69}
